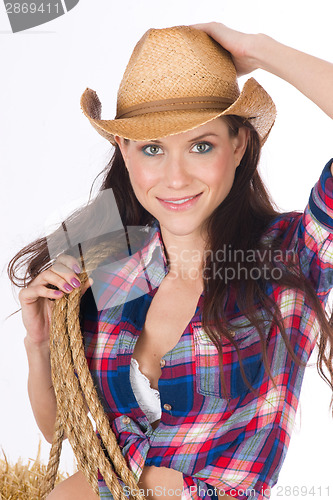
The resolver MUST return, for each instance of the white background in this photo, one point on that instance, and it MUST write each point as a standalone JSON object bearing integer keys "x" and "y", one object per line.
{"x": 50, "y": 155}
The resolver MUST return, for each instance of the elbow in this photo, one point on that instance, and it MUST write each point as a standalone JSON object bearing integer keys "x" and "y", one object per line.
{"x": 48, "y": 437}
{"x": 48, "y": 434}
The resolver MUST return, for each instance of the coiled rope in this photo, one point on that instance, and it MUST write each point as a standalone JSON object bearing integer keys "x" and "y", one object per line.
{"x": 74, "y": 394}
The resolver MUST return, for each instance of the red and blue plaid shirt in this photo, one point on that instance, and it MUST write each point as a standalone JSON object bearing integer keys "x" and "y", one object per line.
{"x": 238, "y": 448}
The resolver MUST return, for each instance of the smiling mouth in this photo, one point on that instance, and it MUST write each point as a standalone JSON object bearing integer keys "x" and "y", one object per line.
{"x": 178, "y": 201}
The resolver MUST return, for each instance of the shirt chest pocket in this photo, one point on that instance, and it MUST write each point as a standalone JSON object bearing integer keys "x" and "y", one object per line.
{"x": 207, "y": 363}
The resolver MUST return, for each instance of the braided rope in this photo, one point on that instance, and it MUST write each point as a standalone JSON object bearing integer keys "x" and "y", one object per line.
{"x": 53, "y": 465}
{"x": 75, "y": 393}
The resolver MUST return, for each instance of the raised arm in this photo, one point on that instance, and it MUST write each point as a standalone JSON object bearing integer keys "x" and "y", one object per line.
{"x": 310, "y": 75}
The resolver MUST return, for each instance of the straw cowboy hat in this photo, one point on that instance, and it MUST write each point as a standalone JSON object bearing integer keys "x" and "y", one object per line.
{"x": 177, "y": 79}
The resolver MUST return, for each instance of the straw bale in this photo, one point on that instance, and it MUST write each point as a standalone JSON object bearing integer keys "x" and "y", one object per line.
{"x": 22, "y": 481}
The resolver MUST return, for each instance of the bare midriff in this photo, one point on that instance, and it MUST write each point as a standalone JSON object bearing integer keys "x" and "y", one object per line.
{"x": 161, "y": 332}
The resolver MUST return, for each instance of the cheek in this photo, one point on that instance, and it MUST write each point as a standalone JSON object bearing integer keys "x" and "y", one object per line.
{"x": 221, "y": 176}
{"x": 142, "y": 179}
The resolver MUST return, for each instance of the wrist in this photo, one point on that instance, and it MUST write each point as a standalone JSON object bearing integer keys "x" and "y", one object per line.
{"x": 32, "y": 345}
{"x": 38, "y": 354}
{"x": 261, "y": 48}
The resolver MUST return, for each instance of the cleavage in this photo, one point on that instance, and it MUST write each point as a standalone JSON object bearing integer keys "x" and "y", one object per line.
{"x": 168, "y": 316}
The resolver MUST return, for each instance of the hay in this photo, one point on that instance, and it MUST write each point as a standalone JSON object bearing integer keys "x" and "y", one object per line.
{"x": 23, "y": 481}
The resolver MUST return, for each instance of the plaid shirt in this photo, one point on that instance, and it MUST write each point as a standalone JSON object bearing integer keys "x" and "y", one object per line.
{"x": 238, "y": 448}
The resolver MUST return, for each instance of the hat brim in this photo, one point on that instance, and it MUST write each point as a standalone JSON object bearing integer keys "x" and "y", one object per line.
{"x": 253, "y": 103}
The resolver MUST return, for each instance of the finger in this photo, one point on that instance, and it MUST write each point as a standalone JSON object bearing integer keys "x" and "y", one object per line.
{"x": 69, "y": 261}
{"x": 208, "y": 27}
{"x": 84, "y": 287}
{"x": 64, "y": 279}
{"x": 198, "y": 26}
{"x": 32, "y": 293}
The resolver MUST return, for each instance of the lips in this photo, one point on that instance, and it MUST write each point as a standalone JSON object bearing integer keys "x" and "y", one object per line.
{"x": 179, "y": 203}
{"x": 178, "y": 200}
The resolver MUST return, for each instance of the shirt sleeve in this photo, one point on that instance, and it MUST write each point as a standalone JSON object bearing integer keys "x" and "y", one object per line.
{"x": 315, "y": 236}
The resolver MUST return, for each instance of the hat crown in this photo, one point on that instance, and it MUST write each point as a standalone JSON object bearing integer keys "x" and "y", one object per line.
{"x": 176, "y": 62}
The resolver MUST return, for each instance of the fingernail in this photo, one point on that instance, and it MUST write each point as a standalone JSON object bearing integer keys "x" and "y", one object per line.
{"x": 68, "y": 287}
{"x": 58, "y": 292}
{"x": 76, "y": 269}
{"x": 75, "y": 282}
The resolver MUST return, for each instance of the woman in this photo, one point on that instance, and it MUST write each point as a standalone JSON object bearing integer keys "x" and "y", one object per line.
{"x": 221, "y": 303}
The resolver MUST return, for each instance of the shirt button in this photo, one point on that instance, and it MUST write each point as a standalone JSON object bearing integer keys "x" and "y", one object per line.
{"x": 167, "y": 407}
{"x": 162, "y": 363}
{"x": 126, "y": 420}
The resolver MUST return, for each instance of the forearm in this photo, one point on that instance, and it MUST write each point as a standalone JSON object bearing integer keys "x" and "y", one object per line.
{"x": 310, "y": 75}
{"x": 40, "y": 388}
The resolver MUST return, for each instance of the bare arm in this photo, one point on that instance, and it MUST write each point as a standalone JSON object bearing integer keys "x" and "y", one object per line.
{"x": 40, "y": 388}
{"x": 312, "y": 76}
{"x": 36, "y": 315}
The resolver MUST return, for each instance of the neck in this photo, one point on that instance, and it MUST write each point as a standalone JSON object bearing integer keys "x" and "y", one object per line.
{"x": 185, "y": 254}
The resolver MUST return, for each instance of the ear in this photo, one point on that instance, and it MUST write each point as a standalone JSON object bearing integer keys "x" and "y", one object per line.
{"x": 122, "y": 146}
{"x": 240, "y": 144}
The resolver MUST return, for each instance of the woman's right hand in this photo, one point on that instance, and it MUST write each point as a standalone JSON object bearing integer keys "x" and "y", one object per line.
{"x": 240, "y": 45}
{"x": 37, "y": 300}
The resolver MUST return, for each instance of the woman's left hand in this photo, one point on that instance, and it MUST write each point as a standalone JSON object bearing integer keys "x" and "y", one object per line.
{"x": 240, "y": 45}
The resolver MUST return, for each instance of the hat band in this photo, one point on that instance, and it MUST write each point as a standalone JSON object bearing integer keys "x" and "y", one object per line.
{"x": 205, "y": 102}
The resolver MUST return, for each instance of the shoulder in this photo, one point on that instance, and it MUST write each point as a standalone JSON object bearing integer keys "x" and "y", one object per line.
{"x": 283, "y": 225}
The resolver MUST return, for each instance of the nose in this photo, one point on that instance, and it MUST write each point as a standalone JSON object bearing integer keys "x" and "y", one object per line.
{"x": 176, "y": 172}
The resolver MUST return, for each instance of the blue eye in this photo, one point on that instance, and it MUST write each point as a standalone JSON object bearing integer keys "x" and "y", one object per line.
{"x": 153, "y": 150}
{"x": 203, "y": 147}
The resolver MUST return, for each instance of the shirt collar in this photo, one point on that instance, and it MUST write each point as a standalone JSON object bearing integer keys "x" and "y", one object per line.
{"x": 157, "y": 241}
{"x": 141, "y": 271}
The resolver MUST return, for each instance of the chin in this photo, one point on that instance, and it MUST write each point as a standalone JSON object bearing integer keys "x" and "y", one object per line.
{"x": 180, "y": 228}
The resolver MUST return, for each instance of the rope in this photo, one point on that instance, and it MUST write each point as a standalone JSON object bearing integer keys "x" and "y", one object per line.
{"x": 75, "y": 393}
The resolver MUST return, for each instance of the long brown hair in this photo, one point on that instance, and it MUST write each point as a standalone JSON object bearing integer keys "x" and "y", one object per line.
{"x": 249, "y": 211}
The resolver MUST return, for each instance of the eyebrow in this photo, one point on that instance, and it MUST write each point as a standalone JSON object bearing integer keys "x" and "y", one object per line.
{"x": 191, "y": 140}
